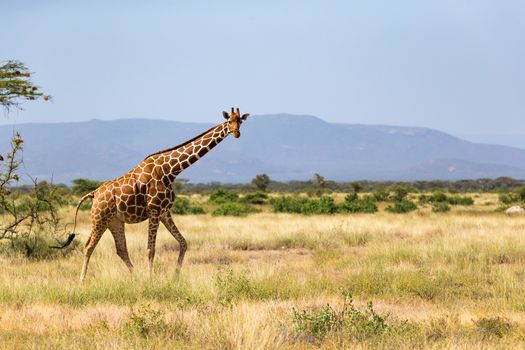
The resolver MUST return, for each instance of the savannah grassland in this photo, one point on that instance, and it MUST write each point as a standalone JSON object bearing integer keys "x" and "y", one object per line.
{"x": 436, "y": 280}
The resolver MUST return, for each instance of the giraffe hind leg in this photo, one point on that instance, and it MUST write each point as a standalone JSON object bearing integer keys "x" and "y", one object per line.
{"x": 152, "y": 239}
{"x": 96, "y": 233}
{"x": 116, "y": 227}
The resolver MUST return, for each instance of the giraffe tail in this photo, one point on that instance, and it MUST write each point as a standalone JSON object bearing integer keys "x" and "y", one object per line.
{"x": 72, "y": 235}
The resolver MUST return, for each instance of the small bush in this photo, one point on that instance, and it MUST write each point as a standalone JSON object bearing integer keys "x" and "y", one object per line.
{"x": 440, "y": 207}
{"x": 508, "y": 198}
{"x": 459, "y": 200}
{"x": 287, "y": 204}
{"x": 183, "y": 206}
{"x": 316, "y": 324}
{"x": 521, "y": 193}
{"x": 36, "y": 247}
{"x": 351, "y": 197}
{"x": 83, "y": 186}
{"x": 400, "y": 193}
{"x": 402, "y": 207}
{"x": 145, "y": 321}
{"x": 26, "y": 204}
{"x": 353, "y": 204}
{"x": 363, "y": 325}
{"x": 231, "y": 286}
{"x": 437, "y": 197}
{"x": 233, "y": 209}
{"x": 323, "y": 205}
{"x": 255, "y": 198}
{"x": 440, "y": 197}
{"x": 493, "y": 327}
{"x": 380, "y": 195}
{"x": 222, "y": 196}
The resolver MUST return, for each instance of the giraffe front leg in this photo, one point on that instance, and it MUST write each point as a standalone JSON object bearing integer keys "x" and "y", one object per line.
{"x": 167, "y": 221}
{"x": 152, "y": 238}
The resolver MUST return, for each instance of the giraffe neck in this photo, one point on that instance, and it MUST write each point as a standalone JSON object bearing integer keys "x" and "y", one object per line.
{"x": 183, "y": 156}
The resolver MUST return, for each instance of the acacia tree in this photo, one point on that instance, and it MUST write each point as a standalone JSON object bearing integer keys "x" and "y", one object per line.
{"x": 16, "y": 85}
{"x": 26, "y": 217}
{"x": 261, "y": 182}
{"x": 319, "y": 181}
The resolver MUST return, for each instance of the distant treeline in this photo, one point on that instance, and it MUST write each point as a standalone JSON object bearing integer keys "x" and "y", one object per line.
{"x": 501, "y": 184}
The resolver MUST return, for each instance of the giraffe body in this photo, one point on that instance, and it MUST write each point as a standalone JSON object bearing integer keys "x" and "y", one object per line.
{"x": 146, "y": 193}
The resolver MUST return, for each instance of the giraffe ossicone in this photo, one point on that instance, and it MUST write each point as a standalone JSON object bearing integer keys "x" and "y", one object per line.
{"x": 146, "y": 193}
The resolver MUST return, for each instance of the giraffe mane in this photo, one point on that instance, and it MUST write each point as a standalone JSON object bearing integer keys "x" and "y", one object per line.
{"x": 184, "y": 143}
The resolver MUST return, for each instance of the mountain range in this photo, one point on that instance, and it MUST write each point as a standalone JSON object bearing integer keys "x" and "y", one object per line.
{"x": 286, "y": 147}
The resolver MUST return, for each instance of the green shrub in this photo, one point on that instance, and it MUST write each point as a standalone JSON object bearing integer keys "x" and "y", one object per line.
{"x": 26, "y": 204}
{"x": 353, "y": 204}
{"x": 400, "y": 193}
{"x": 508, "y": 198}
{"x": 351, "y": 197}
{"x": 83, "y": 186}
{"x": 183, "y": 206}
{"x": 318, "y": 323}
{"x": 404, "y": 206}
{"x": 222, "y": 196}
{"x": 365, "y": 324}
{"x": 233, "y": 209}
{"x": 287, "y": 204}
{"x": 310, "y": 206}
{"x": 323, "y": 205}
{"x": 36, "y": 247}
{"x": 232, "y": 286}
{"x": 196, "y": 210}
{"x": 438, "y": 197}
{"x": 255, "y": 198}
{"x": 458, "y": 200}
{"x": 145, "y": 321}
{"x": 521, "y": 193}
{"x": 424, "y": 199}
{"x": 380, "y": 195}
{"x": 440, "y": 207}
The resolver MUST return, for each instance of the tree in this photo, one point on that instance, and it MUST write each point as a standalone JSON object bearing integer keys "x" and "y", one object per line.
{"x": 356, "y": 186}
{"x": 16, "y": 85}
{"x": 29, "y": 218}
{"x": 83, "y": 186}
{"x": 319, "y": 180}
{"x": 400, "y": 193}
{"x": 261, "y": 182}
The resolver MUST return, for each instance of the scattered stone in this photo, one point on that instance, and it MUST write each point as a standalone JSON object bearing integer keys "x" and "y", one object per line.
{"x": 516, "y": 209}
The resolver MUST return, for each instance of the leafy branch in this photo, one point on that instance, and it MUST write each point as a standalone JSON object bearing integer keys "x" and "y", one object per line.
{"x": 16, "y": 85}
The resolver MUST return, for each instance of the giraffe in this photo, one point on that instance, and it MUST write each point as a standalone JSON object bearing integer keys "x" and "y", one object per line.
{"x": 146, "y": 192}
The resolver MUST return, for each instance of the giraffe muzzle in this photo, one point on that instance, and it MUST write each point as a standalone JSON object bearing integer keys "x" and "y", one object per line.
{"x": 236, "y": 134}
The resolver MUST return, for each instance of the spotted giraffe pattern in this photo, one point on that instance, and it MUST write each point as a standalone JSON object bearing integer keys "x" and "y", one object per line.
{"x": 146, "y": 193}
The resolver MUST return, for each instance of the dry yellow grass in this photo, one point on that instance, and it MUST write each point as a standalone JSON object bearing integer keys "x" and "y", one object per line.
{"x": 441, "y": 273}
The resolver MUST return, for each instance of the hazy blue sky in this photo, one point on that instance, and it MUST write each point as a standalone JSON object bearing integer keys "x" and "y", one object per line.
{"x": 455, "y": 65}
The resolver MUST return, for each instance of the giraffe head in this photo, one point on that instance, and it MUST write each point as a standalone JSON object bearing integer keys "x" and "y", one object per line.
{"x": 235, "y": 120}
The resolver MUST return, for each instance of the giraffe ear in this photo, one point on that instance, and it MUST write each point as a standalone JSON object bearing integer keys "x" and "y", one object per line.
{"x": 225, "y": 115}
{"x": 245, "y": 116}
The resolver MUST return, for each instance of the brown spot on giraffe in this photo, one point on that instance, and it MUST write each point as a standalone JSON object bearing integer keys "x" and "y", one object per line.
{"x": 146, "y": 193}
